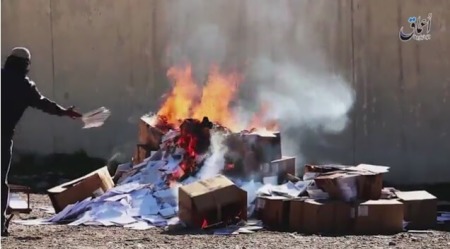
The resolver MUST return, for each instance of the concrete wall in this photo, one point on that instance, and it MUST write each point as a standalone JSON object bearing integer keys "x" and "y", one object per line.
{"x": 100, "y": 52}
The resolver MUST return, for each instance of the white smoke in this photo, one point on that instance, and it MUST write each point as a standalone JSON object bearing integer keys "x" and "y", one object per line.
{"x": 215, "y": 163}
{"x": 286, "y": 57}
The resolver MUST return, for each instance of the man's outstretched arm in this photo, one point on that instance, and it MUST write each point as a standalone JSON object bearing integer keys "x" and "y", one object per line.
{"x": 37, "y": 100}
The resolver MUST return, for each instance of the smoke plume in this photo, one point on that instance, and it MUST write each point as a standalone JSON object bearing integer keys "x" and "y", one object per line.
{"x": 279, "y": 47}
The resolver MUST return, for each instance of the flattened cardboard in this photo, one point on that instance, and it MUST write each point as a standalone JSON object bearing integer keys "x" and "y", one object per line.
{"x": 378, "y": 217}
{"x": 420, "y": 209}
{"x": 324, "y": 168}
{"x": 274, "y": 212}
{"x": 211, "y": 201}
{"x": 94, "y": 183}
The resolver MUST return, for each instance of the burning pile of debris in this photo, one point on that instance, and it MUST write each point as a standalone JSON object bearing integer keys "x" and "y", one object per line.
{"x": 165, "y": 178}
{"x": 193, "y": 165}
{"x": 167, "y": 187}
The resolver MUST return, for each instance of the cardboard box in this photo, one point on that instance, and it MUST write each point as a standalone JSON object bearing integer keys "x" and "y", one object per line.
{"x": 378, "y": 217}
{"x": 211, "y": 201}
{"x": 274, "y": 212}
{"x": 283, "y": 166}
{"x": 420, "y": 209}
{"x": 326, "y": 216}
{"x": 339, "y": 185}
{"x": 148, "y": 134}
{"x": 142, "y": 151}
{"x": 351, "y": 185}
{"x": 266, "y": 148}
{"x": 370, "y": 186}
{"x": 296, "y": 214}
{"x": 93, "y": 184}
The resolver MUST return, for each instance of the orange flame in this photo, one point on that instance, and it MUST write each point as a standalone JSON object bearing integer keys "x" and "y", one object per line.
{"x": 217, "y": 95}
{"x": 214, "y": 100}
{"x": 181, "y": 99}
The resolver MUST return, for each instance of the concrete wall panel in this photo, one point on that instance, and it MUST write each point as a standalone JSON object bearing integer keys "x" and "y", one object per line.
{"x": 115, "y": 53}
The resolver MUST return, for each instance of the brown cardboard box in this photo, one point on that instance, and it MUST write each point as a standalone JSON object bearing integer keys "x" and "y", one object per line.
{"x": 148, "y": 134}
{"x": 339, "y": 185}
{"x": 211, "y": 201}
{"x": 420, "y": 209}
{"x": 92, "y": 184}
{"x": 370, "y": 186}
{"x": 350, "y": 185}
{"x": 274, "y": 211}
{"x": 266, "y": 148}
{"x": 326, "y": 217}
{"x": 296, "y": 214}
{"x": 142, "y": 151}
{"x": 283, "y": 166}
{"x": 378, "y": 217}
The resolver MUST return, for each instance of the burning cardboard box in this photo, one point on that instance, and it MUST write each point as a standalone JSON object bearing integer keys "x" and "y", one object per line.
{"x": 92, "y": 184}
{"x": 212, "y": 201}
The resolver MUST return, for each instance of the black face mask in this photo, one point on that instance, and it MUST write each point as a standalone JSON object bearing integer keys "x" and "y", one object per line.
{"x": 19, "y": 66}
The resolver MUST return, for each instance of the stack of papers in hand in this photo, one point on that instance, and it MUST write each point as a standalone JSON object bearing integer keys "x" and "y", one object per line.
{"x": 95, "y": 118}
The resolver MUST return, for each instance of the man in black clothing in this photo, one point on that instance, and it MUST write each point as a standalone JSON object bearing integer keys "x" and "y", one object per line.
{"x": 18, "y": 93}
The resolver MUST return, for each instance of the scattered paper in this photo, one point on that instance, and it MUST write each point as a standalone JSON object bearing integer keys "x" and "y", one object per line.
{"x": 95, "y": 118}
{"x": 139, "y": 225}
{"x": 373, "y": 168}
{"x": 48, "y": 210}
{"x": 33, "y": 222}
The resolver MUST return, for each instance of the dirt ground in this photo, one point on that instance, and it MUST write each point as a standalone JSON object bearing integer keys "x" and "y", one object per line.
{"x": 63, "y": 236}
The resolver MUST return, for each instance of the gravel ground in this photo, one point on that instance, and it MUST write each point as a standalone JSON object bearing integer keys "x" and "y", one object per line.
{"x": 63, "y": 236}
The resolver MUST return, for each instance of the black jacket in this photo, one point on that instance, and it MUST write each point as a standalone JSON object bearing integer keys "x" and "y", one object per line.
{"x": 18, "y": 93}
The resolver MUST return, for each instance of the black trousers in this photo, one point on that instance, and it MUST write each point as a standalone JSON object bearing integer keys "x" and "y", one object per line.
{"x": 6, "y": 163}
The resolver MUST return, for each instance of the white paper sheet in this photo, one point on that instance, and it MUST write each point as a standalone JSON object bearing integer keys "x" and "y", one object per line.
{"x": 16, "y": 202}
{"x": 373, "y": 168}
{"x": 48, "y": 210}
{"x": 288, "y": 189}
{"x": 33, "y": 222}
{"x": 168, "y": 212}
{"x": 155, "y": 220}
{"x": 127, "y": 187}
{"x": 139, "y": 225}
{"x": 95, "y": 118}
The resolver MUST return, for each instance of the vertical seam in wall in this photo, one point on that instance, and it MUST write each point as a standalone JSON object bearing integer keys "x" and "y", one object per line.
{"x": 353, "y": 71}
{"x": 53, "y": 68}
{"x": 401, "y": 90}
{"x": 154, "y": 54}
